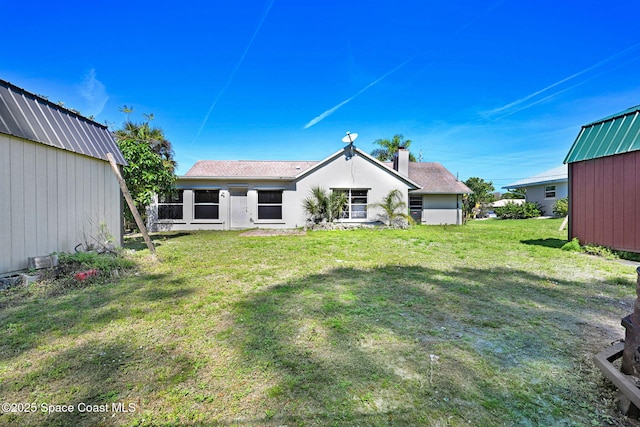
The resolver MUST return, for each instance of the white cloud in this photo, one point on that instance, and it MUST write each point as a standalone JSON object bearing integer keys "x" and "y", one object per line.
{"x": 94, "y": 94}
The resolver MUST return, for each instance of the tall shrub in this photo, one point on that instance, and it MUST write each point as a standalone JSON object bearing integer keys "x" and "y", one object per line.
{"x": 523, "y": 211}
{"x": 561, "y": 207}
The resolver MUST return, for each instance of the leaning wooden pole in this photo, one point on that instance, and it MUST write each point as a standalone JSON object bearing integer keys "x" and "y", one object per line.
{"x": 132, "y": 206}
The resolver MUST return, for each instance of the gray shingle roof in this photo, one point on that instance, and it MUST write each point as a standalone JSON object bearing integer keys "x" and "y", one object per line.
{"x": 435, "y": 179}
{"x": 249, "y": 168}
{"x": 31, "y": 117}
{"x": 431, "y": 176}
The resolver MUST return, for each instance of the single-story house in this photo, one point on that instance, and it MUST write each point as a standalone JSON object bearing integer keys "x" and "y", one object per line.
{"x": 57, "y": 187}
{"x": 604, "y": 182}
{"x": 544, "y": 188}
{"x": 223, "y": 195}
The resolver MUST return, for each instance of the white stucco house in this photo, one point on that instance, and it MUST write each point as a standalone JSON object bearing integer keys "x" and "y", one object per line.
{"x": 226, "y": 195}
{"x": 545, "y": 188}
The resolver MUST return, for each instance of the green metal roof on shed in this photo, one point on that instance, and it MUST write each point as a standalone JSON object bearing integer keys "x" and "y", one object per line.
{"x": 616, "y": 134}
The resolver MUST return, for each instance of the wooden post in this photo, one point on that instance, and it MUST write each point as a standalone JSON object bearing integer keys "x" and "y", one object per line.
{"x": 132, "y": 206}
{"x": 564, "y": 223}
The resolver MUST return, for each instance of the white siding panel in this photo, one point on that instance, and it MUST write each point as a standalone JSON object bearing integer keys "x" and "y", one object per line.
{"x": 5, "y": 210}
{"x": 53, "y": 200}
{"x": 29, "y": 194}
{"x": 41, "y": 201}
{"x": 61, "y": 172}
{"x": 17, "y": 205}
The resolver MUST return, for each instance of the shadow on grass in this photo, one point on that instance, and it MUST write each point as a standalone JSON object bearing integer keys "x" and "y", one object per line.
{"x": 28, "y": 325}
{"x": 548, "y": 243}
{"x": 136, "y": 241}
{"x": 416, "y": 346}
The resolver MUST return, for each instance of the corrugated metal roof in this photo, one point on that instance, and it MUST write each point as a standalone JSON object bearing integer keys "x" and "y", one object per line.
{"x": 616, "y": 134}
{"x": 558, "y": 174}
{"x": 28, "y": 116}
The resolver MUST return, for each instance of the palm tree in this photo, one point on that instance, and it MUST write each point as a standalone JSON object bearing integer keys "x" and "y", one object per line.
{"x": 144, "y": 133}
{"x": 390, "y": 147}
{"x": 323, "y": 205}
{"x": 393, "y": 208}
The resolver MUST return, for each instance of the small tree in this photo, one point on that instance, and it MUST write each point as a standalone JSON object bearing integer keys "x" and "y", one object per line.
{"x": 482, "y": 194}
{"x": 150, "y": 162}
{"x": 393, "y": 208}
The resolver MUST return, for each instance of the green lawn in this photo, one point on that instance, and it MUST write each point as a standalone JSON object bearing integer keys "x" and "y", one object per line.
{"x": 484, "y": 324}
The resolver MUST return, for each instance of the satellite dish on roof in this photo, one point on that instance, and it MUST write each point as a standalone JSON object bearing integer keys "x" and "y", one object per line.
{"x": 350, "y": 138}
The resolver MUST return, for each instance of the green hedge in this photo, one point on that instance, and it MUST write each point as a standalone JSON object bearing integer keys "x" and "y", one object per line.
{"x": 523, "y": 211}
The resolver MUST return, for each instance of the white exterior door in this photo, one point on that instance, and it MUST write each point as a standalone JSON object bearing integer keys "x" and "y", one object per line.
{"x": 239, "y": 209}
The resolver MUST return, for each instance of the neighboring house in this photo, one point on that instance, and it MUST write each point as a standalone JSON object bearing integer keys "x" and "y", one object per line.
{"x": 544, "y": 188}
{"x": 56, "y": 185}
{"x": 604, "y": 182}
{"x": 223, "y": 195}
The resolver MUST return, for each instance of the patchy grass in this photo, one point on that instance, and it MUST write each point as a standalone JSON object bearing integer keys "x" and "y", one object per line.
{"x": 487, "y": 324}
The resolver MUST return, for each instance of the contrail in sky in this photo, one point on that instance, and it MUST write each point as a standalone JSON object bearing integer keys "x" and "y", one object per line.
{"x": 235, "y": 70}
{"x": 346, "y": 101}
{"x": 566, "y": 79}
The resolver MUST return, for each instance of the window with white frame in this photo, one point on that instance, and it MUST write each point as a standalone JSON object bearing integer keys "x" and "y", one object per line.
{"x": 356, "y": 207}
{"x": 206, "y": 204}
{"x": 170, "y": 205}
{"x": 269, "y": 204}
{"x": 550, "y": 192}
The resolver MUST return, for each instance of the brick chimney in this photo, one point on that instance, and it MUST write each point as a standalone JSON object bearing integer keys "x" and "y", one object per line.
{"x": 401, "y": 161}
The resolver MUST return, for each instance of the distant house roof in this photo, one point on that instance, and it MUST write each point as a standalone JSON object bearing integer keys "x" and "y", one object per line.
{"x": 616, "y": 134}
{"x": 427, "y": 178}
{"x": 434, "y": 178}
{"x": 558, "y": 174}
{"x": 31, "y": 117}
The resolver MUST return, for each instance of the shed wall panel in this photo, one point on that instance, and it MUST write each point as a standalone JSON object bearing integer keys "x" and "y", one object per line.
{"x": 55, "y": 200}
{"x": 629, "y": 201}
{"x": 16, "y": 201}
{"x": 605, "y": 203}
{"x": 618, "y": 201}
{"x": 598, "y": 208}
{"x": 5, "y": 193}
{"x": 40, "y": 212}
{"x": 52, "y": 198}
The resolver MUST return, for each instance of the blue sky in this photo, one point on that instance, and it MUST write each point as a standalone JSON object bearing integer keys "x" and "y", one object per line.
{"x": 495, "y": 89}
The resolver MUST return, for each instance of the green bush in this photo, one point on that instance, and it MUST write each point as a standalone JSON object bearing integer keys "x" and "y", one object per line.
{"x": 523, "y": 211}
{"x": 573, "y": 246}
{"x": 561, "y": 207}
{"x": 103, "y": 262}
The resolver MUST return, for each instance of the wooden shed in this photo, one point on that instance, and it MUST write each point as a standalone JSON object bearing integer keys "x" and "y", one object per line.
{"x": 604, "y": 182}
{"x": 56, "y": 185}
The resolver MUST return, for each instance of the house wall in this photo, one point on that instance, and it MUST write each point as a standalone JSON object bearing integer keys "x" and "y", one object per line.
{"x": 52, "y": 200}
{"x": 355, "y": 173}
{"x": 536, "y": 193}
{"x": 604, "y": 202}
{"x": 224, "y": 222}
{"x": 441, "y": 209}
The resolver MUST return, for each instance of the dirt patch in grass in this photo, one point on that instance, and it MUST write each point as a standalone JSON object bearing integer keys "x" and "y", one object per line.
{"x": 260, "y": 232}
